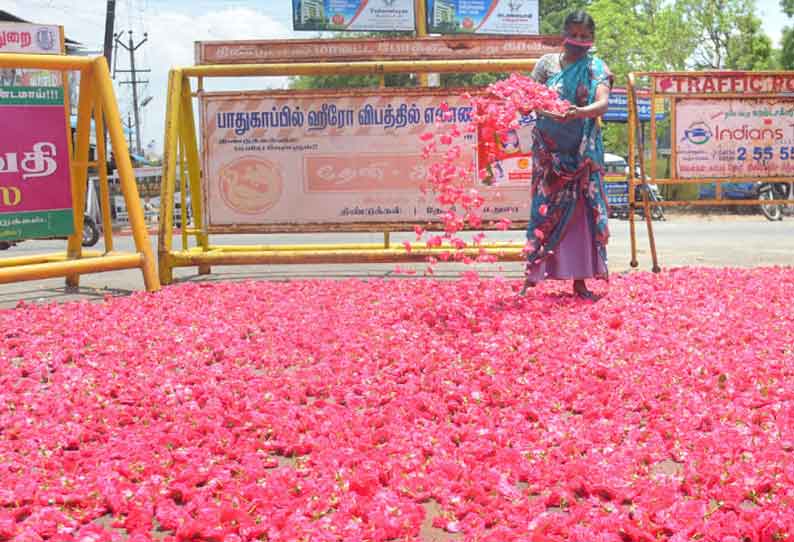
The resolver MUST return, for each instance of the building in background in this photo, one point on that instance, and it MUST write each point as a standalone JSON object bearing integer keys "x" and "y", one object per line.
{"x": 311, "y": 11}
{"x": 443, "y": 13}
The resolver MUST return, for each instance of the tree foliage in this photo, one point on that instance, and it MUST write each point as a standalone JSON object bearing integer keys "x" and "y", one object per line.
{"x": 731, "y": 35}
{"x": 787, "y": 46}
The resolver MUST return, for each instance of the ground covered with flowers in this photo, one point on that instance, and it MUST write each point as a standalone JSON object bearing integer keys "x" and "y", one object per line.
{"x": 405, "y": 410}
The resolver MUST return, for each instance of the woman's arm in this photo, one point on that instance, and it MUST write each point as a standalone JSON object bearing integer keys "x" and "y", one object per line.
{"x": 595, "y": 109}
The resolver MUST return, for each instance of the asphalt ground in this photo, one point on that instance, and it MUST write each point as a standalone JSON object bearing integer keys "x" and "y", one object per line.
{"x": 720, "y": 240}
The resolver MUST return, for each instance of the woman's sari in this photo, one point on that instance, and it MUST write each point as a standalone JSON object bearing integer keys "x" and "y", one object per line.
{"x": 567, "y": 184}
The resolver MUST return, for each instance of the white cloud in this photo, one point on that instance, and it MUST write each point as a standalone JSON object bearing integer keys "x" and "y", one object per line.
{"x": 172, "y": 31}
{"x": 171, "y": 43}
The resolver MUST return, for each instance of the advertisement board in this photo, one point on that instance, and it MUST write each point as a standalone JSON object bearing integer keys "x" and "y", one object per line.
{"x": 738, "y": 137}
{"x": 335, "y": 157}
{"x": 353, "y": 15}
{"x": 514, "y": 17}
{"x": 35, "y": 181}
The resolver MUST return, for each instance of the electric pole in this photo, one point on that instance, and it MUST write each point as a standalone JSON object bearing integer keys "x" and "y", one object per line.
{"x": 110, "y": 18}
{"x": 132, "y": 47}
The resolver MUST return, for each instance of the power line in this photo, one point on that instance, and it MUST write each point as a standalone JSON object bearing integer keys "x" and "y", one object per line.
{"x": 134, "y": 81}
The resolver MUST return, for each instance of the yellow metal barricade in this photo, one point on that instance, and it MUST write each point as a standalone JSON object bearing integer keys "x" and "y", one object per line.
{"x": 182, "y": 156}
{"x": 725, "y": 127}
{"x": 97, "y": 102}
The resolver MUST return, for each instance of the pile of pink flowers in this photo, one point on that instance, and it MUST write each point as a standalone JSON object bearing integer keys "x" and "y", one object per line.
{"x": 403, "y": 410}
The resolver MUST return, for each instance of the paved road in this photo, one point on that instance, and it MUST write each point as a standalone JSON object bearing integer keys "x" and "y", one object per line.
{"x": 683, "y": 240}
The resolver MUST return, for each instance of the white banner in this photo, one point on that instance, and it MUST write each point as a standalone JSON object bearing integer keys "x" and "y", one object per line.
{"x": 353, "y": 15}
{"x": 734, "y": 138}
{"x": 517, "y": 17}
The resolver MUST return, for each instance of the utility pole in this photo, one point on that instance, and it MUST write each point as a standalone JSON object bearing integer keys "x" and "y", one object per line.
{"x": 132, "y": 47}
{"x": 110, "y": 18}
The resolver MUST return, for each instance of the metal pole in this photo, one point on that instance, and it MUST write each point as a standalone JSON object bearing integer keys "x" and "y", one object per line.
{"x": 135, "y": 95}
{"x": 420, "y": 9}
{"x": 110, "y": 18}
{"x": 131, "y": 47}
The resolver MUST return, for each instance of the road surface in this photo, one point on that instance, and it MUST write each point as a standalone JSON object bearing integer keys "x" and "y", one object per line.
{"x": 682, "y": 240}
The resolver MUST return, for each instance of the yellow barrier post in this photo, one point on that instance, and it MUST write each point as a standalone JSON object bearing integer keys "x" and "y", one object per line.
{"x": 632, "y": 168}
{"x": 191, "y": 154}
{"x": 104, "y": 188}
{"x": 80, "y": 167}
{"x": 633, "y": 110}
{"x": 168, "y": 186}
{"x": 420, "y": 10}
{"x": 126, "y": 174}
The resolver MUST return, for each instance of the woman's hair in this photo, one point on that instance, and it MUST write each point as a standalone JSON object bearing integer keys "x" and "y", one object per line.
{"x": 579, "y": 17}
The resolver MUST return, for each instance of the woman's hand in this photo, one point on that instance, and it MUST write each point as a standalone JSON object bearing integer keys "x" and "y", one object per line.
{"x": 574, "y": 112}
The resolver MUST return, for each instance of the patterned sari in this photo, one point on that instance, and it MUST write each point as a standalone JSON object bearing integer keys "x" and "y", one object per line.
{"x": 568, "y": 162}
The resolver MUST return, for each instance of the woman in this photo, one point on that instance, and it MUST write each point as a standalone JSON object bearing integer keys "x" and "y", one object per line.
{"x": 568, "y": 226}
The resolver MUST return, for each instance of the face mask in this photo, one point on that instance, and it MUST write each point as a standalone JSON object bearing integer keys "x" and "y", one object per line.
{"x": 576, "y": 47}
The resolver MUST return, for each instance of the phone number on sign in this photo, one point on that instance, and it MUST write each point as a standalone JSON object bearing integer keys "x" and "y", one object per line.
{"x": 764, "y": 153}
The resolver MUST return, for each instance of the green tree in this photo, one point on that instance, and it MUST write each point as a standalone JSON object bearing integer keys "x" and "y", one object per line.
{"x": 750, "y": 48}
{"x": 553, "y": 13}
{"x": 787, "y": 50}
{"x": 304, "y": 82}
{"x": 731, "y": 35}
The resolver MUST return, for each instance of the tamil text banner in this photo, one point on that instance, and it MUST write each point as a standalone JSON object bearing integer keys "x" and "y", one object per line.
{"x": 356, "y": 49}
{"x": 729, "y": 138}
{"x": 30, "y": 38}
{"x": 515, "y": 17}
{"x": 353, "y": 15}
{"x": 35, "y": 182}
{"x": 335, "y": 157}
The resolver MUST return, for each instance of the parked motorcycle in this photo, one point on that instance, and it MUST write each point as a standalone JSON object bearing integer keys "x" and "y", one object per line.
{"x": 654, "y": 196}
{"x": 776, "y": 192}
{"x": 90, "y": 232}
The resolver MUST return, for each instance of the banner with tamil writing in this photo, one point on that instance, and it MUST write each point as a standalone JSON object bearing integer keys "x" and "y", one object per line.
{"x": 335, "y": 157}
{"x": 35, "y": 181}
{"x": 734, "y": 138}
{"x": 394, "y": 48}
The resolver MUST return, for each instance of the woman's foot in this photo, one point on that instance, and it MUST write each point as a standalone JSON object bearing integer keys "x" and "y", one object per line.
{"x": 580, "y": 290}
{"x": 527, "y": 285}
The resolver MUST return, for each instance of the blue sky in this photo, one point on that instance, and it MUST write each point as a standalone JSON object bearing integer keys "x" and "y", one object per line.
{"x": 173, "y": 26}
{"x": 772, "y": 18}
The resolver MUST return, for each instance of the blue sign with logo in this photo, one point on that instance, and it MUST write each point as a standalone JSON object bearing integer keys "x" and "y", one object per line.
{"x": 617, "y": 193}
{"x": 619, "y": 108}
